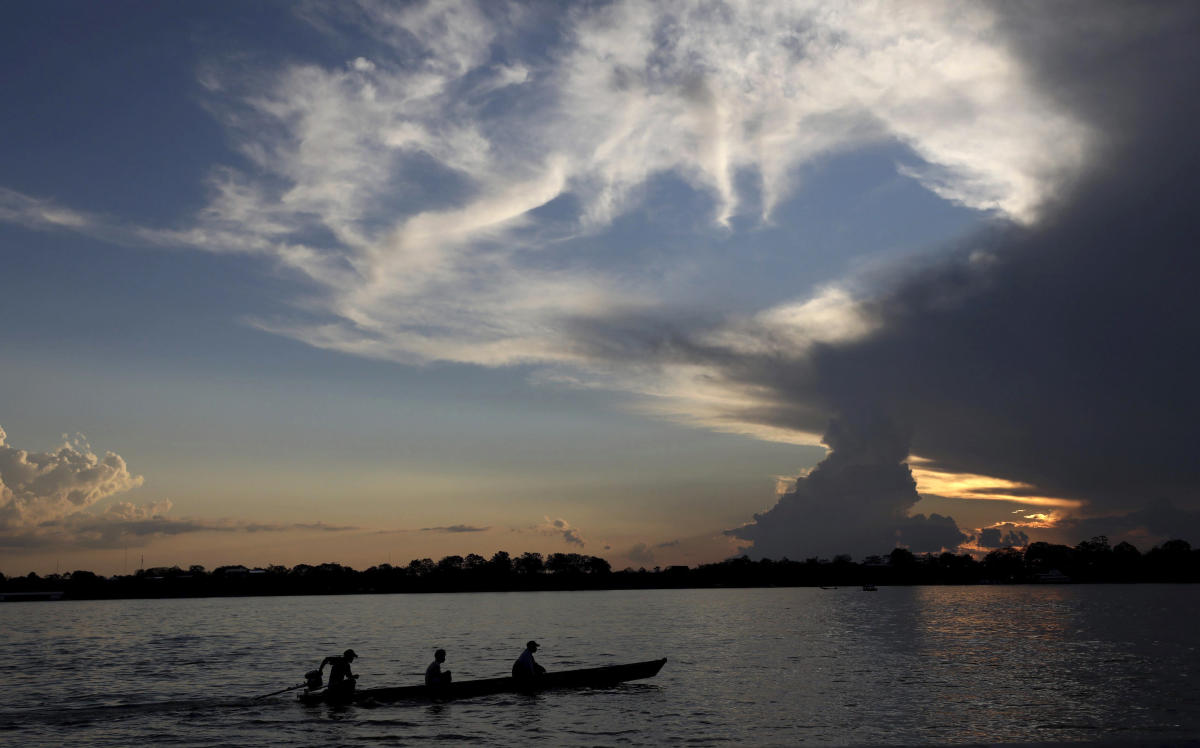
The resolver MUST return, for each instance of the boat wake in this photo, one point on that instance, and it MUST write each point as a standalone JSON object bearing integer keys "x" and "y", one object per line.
{"x": 90, "y": 715}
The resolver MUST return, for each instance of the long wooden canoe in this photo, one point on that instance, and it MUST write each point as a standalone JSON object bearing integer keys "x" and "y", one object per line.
{"x": 586, "y": 678}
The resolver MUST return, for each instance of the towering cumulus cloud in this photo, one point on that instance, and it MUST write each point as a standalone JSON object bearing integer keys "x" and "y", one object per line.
{"x": 856, "y": 501}
{"x": 1061, "y": 352}
{"x": 41, "y": 487}
{"x": 1064, "y": 353}
{"x": 45, "y": 498}
{"x": 1056, "y": 348}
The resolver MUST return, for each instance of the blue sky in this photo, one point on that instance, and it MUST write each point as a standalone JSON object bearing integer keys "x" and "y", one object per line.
{"x": 327, "y": 276}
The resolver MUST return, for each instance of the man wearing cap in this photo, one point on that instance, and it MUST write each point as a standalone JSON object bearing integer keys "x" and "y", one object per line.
{"x": 340, "y": 677}
{"x": 526, "y": 667}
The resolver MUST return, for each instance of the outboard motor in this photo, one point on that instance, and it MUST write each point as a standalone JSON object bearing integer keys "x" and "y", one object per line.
{"x": 312, "y": 680}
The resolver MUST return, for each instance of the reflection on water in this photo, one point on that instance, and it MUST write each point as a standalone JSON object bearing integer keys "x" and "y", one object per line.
{"x": 774, "y": 666}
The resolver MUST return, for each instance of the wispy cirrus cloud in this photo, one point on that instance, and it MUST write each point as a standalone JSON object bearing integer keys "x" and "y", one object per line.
{"x": 978, "y": 350}
{"x": 36, "y": 213}
{"x": 341, "y": 157}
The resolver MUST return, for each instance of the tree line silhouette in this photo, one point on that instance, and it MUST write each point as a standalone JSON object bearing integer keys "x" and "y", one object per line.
{"x": 1090, "y": 561}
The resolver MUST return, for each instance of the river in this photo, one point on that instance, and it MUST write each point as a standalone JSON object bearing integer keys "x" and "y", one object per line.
{"x": 901, "y": 666}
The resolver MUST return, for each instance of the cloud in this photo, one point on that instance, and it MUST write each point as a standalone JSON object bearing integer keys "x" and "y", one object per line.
{"x": 563, "y": 529}
{"x": 45, "y": 498}
{"x": 631, "y": 92}
{"x": 38, "y": 213}
{"x": 965, "y": 485}
{"x": 281, "y": 526}
{"x": 640, "y": 554}
{"x": 40, "y": 487}
{"x": 1053, "y": 351}
{"x": 855, "y": 501}
{"x": 455, "y": 529}
{"x": 119, "y": 524}
{"x": 1001, "y": 536}
{"x": 469, "y": 96}
{"x": 1067, "y": 362}
{"x": 1053, "y": 360}
{"x": 1153, "y": 523}
{"x": 123, "y": 524}
{"x": 711, "y": 89}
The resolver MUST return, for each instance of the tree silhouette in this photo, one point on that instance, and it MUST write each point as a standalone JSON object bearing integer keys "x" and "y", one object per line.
{"x": 1091, "y": 560}
{"x": 500, "y": 563}
{"x": 529, "y": 563}
{"x": 1042, "y": 558}
{"x": 1005, "y": 565}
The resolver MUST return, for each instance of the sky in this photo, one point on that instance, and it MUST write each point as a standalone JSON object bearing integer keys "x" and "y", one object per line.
{"x": 363, "y": 282}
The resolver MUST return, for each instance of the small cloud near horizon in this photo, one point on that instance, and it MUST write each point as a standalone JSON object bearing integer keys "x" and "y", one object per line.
{"x": 640, "y": 554}
{"x": 456, "y": 528}
{"x": 46, "y": 500}
{"x": 563, "y": 529}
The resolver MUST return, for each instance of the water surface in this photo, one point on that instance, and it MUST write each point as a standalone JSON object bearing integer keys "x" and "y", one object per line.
{"x": 901, "y": 666}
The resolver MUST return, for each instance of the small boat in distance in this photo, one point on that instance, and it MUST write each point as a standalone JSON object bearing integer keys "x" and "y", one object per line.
{"x": 870, "y": 588}
{"x": 595, "y": 677}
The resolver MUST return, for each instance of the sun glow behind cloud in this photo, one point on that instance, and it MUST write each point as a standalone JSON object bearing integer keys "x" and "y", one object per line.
{"x": 429, "y": 194}
{"x": 982, "y": 488}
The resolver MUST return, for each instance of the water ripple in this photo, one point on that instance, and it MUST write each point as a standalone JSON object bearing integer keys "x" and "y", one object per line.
{"x": 779, "y": 667}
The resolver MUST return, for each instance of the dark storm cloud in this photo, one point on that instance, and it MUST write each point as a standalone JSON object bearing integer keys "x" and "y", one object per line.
{"x": 1157, "y": 520}
{"x": 855, "y": 501}
{"x": 1069, "y": 358}
{"x": 1064, "y": 354}
{"x": 1001, "y": 536}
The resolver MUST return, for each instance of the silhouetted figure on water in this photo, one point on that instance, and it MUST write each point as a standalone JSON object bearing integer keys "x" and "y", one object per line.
{"x": 526, "y": 668}
{"x": 435, "y": 677}
{"x": 341, "y": 680}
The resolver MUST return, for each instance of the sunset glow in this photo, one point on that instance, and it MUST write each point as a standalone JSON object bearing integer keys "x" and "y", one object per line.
{"x": 972, "y": 487}
{"x": 317, "y": 277}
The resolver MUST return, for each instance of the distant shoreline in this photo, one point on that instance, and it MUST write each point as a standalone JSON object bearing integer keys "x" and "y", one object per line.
{"x": 1092, "y": 561}
{"x": 63, "y": 596}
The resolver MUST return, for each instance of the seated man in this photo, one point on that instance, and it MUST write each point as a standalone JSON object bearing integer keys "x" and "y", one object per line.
{"x": 434, "y": 677}
{"x": 526, "y": 667}
{"x": 341, "y": 680}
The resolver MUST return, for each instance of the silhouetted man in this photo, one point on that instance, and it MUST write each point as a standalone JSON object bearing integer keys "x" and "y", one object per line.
{"x": 526, "y": 668}
{"x": 434, "y": 677}
{"x": 341, "y": 680}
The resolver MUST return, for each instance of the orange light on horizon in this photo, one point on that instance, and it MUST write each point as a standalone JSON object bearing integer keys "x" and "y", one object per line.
{"x": 972, "y": 486}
